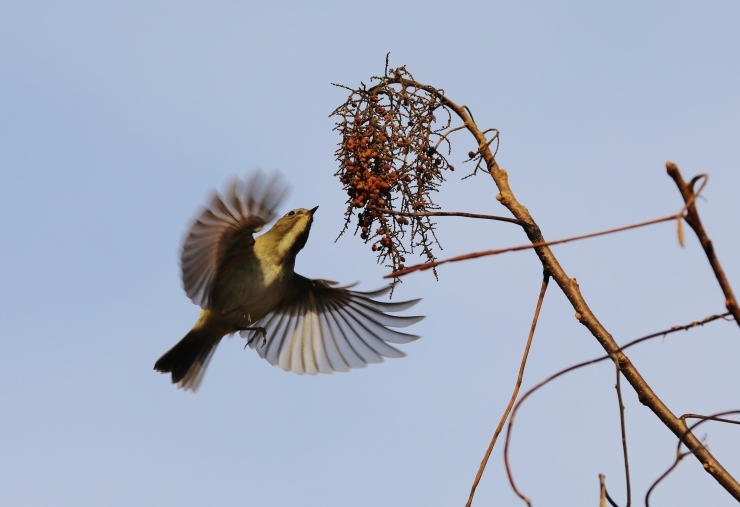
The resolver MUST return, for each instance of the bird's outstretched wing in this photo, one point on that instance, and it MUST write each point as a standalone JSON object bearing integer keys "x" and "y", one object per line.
{"x": 227, "y": 221}
{"x": 321, "y": 328}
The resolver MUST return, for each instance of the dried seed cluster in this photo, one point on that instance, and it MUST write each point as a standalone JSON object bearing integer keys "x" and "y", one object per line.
{"x": 390, "y": 161}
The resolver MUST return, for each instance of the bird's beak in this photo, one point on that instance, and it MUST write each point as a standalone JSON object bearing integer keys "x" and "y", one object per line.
{"x": 313, "y": 210}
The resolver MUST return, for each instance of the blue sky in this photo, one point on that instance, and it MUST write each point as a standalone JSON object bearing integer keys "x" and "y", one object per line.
{"x": 118, "y": 119}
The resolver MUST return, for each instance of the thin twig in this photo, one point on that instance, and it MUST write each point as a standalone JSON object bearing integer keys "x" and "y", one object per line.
{"x": 446, "y": 214}
{"x": 514, "y": 394}
{"x": 552, "y": 377}
{"x": 610, "y": 500}
{"x": 692, "y": 218}
{"x": 681, "y": 455}
{"x": 713, "y": 417}
{"x": 475, "y": 255}
{"x": 443, "y": 137}
{"x": 624, "y": 437}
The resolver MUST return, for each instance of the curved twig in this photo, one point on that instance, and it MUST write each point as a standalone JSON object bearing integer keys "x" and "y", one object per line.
{"x": 681, "y": 455}
{"x": 552, "y": 377}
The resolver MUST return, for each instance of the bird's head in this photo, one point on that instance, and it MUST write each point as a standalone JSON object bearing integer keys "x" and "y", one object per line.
{"x": 289, "y": 234}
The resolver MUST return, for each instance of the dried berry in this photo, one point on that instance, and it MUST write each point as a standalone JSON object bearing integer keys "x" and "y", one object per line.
{"x": 388, "y": 160}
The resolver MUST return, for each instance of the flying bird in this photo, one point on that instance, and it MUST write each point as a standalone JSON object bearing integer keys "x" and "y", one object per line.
{"x": 248, "y": 285}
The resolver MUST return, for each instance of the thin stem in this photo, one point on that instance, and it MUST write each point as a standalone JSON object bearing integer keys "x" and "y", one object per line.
{"x": 712, "y": 417}
{"x": 679, "y": 457}
{"x": 610, "y": 500}
{"x": 475, "y": 255}
{"x": 446, "y": 214}
{"x": 624, "y": 438}
{"x": 520, "y": 377}
{"x": 692, "y": 218}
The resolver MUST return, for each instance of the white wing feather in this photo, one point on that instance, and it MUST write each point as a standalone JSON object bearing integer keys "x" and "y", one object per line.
{"x": 325, "y": 329}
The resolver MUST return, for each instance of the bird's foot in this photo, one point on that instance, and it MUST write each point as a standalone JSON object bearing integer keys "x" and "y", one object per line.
{"x": 258, "y": 330}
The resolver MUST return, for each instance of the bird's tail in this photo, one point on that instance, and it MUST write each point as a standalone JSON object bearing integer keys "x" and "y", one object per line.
{"x": 188, "y": 359}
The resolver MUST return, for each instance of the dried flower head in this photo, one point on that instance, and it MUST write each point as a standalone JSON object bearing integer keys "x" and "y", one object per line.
{"x": 390, "y": 163}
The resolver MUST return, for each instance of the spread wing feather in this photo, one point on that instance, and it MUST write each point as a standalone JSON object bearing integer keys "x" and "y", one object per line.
{"x": 244, "y": 209}
{"x": 321, "y": 328}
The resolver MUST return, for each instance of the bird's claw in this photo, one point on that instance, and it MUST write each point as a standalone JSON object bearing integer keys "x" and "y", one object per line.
{"x": 258, "y": 330}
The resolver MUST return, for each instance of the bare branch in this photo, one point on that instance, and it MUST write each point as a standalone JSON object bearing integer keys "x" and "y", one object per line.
{"x": 583, "y": 313}
{"x": 388, "y": 160}
{"x": 692, "y": 218}
{"x": 514, "y": 394}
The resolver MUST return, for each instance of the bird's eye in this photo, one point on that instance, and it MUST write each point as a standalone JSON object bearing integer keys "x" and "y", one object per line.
{"x": 291, "y": 213}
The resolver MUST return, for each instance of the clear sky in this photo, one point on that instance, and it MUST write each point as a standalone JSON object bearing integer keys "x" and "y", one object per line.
{"x": 118, "y": 119}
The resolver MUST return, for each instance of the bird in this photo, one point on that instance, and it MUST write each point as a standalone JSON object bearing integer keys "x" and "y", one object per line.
{"x": 247, "y": 284}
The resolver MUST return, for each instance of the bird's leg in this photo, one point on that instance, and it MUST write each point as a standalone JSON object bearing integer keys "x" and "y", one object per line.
{"x": 259, "y": 330}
